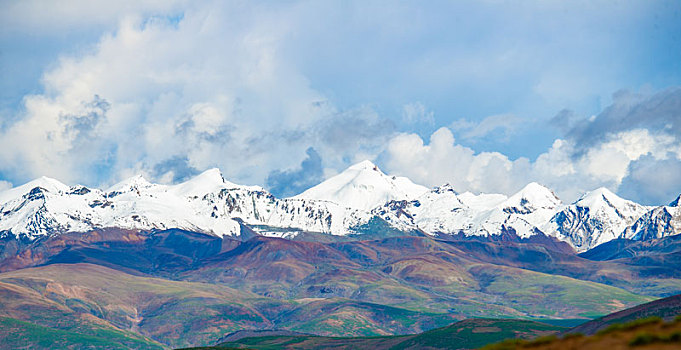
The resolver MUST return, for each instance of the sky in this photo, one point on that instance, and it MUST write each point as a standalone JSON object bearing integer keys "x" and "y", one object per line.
{"x": 484, "y": 95}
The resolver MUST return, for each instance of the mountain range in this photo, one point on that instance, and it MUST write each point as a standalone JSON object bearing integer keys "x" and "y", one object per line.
{"x": 150, "y": 266}
{"x": 357, "y": 201}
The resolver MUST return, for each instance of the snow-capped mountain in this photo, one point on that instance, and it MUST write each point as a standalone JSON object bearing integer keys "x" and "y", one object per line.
{"x": 363, "y": 186}
{"x": 271, "y": 214}
{"x": 207, "y": 203}
{"x": 342, "y": 205}
{"x": 443, "y": 211}
{"x": 597, "y": 217}
{"x": 523, "y": 212}
{"x": 46, "y": 206}
{"x": 434, "y": 211}
{"x": 657, "y": 223}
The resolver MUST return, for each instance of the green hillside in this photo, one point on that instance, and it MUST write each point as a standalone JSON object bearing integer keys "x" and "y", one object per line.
{"x": 16, "y": 334}
{"x": 467, "y": 334}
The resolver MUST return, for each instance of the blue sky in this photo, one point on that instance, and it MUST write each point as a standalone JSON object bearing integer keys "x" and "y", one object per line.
{"x": 485, "y": 95}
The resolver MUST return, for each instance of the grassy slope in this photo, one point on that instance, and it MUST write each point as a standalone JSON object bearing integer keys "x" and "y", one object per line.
{"x": 643, "y": 334}
{"x": 176, "y": 313}
{"x": 553, "y": 296}
{"x": 667, "y": 308}
{"x": 328, "y": 316}
{"x": 466, "y": 334}
{"x": 16, "y": 334}
{"x": 474, "y": 333}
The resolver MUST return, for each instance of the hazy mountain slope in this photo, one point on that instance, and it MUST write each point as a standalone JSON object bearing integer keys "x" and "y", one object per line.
{"x": 622, "y": 248}
{"x": 657, "y": 259}
{"x": 406, "y": 272}
{"x": 183, "y": 254}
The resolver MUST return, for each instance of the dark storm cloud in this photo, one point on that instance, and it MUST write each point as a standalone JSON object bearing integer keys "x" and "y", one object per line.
{"x": 649, "y": 179}
{"x": 179, "y": 166}
{"x": 564, "y": 121}
{"x": 652, "y": 181}
{"x": 659, "y": 113}
{"x": 81, "y": 126}
{"x": 187, "y": 129}
{"x": 291, "y": 182}
{"x": 355, "y": 128}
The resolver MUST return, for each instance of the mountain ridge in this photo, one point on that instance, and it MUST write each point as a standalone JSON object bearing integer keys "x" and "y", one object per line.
{"x": 344, "y": 205}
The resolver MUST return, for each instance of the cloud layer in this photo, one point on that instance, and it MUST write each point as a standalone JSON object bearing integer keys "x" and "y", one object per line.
{"x": 276, "y": 94}
{"x": 632, "y": 147}
{"x": 164, "y": 98}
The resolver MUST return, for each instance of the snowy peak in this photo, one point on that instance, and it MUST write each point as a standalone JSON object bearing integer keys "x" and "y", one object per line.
{"x": 206, "y": 203}
{"x": 338, "y": 206}
{"x": 363, "y": 186}
{"x": 45, "y": 183}
{"x": 365, "y": 165}
{"x": 531, "y": 198}
{"x": 600, "y": 197}
{"x": 536, "y": 190}
{"x": 597, "y": 217}
{"x": 443, "y": 211}
{"x": 213, "y": 175}
{"x": 658, "y": 222}
{"x": 209, "y": 181}
{"x": 131, "y": 184}
{"x": 606, "y": 203}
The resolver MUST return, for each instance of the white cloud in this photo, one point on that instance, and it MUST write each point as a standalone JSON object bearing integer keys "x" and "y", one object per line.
{"x": 562, "y": 167}
{"x": 5, "y": 185}
{"x": 416, "y": 112}
{"x": 443, "y": 161}
{"x": 53, "y": 18}
{"x": 506, "y": 124}
{"x": 210, "y": 90}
